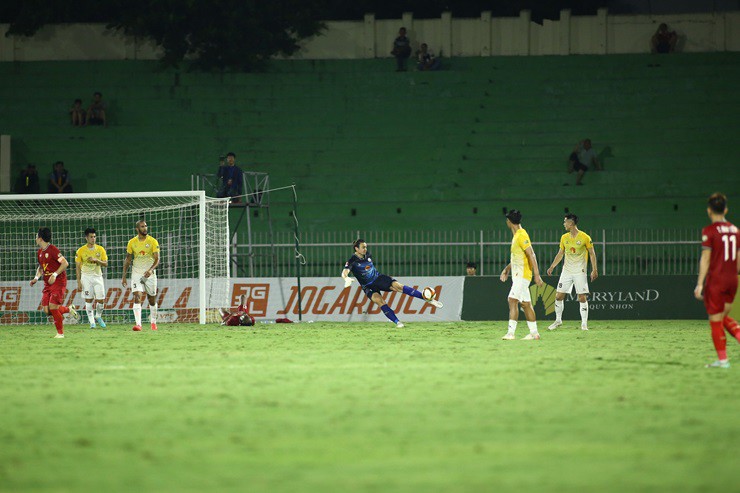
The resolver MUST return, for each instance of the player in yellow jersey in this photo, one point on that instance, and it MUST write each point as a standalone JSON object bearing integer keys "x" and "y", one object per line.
{"x": 523, "y": 265}
{"x": 143, "y": 251}
{"x": 89, "y": 259}
{"x": 576, "y": 247}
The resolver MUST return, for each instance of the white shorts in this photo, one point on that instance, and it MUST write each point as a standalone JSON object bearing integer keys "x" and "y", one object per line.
{"x": 520, "y": 290}
{"x": 567, "y": 281}
{"x": 140, "y": 284}
{"x": 94, "y": 287}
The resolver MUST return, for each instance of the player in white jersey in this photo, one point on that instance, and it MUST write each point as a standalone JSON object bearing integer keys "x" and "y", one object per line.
{"x": 143, "y": 251}
{"x": 576, "y": 247}
{"x": 89, "y": 259}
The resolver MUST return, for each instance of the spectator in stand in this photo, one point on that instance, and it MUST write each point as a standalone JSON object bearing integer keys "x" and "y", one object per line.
{"x": 96, "y": 111}
{"x": 471, "y": 269}
{"x": 401, "y": 50}
{"x": 59, "y": 179}
{"x": 427, "y": 60}
{"x": 28, "y": 181}
{"x": 77, "y": 113}
{"x": 231, "y": 178}
{"x": 582, "y": 157}
{"x": 664, "y": 41}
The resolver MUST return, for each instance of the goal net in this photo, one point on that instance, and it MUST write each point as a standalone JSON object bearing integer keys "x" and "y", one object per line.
{"x": 192, "y": 231}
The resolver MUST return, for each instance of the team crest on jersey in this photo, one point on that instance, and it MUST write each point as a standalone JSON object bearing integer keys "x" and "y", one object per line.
{"x": 367, "y": 267}
{"x": 146, "y": 245}
{"x": 703, "y": 237}
{"x": 578, "y": 242}
{"x": 46, "y": 255}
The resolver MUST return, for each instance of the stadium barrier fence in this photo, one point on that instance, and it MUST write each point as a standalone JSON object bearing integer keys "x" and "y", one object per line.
{"x": 445, "y": 253}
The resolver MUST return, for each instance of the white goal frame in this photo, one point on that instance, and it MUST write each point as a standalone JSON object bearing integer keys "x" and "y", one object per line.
{"x": 200, "y": 195}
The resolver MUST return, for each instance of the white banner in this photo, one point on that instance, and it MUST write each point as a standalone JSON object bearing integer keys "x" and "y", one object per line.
{"x": 326, "y": 299}
{"x": 322, "y": 299}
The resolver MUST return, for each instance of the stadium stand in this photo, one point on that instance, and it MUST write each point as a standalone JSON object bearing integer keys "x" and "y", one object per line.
{"x": 366, "y": 146}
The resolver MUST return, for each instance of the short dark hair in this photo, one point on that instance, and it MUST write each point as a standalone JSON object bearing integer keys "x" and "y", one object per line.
{"x": 78, "y": 100}
{"x": 358, "y": 242}
{"x": 45, "y": 234}
{"x": 98, "y": 93}
{"x": 717, "y": 202}
{"x": 231, "y": 154}
{"x": 89, "y": 231}
{"x": 572, "y": 217}
{"x": 514, "y": 216}
{"x": 472, "y": 265}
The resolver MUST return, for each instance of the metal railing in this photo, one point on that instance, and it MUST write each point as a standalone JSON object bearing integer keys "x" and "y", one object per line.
{"x": 445, "y": 253}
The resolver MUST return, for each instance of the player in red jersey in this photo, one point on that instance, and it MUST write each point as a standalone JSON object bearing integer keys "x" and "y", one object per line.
{"x": 719, "y": 267}
{"x": 52, "y": 265}
{"x": 239, "y": 317}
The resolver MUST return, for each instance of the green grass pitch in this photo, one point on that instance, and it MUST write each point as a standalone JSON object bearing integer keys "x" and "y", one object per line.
{"x": 434, "y": 407}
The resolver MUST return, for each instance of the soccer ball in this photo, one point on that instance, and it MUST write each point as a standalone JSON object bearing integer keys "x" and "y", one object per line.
{"x": 428, "y": 293}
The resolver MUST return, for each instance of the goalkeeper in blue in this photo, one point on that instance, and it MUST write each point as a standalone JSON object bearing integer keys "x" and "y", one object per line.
{"x": 373, "y": 282}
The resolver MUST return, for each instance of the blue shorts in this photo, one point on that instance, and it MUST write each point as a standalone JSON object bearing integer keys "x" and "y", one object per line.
{"x": 381, "y": 283}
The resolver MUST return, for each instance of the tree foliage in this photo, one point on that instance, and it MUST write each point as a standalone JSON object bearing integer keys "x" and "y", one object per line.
{"x": 214, "y": 34}
{"x": 221, "y": 34}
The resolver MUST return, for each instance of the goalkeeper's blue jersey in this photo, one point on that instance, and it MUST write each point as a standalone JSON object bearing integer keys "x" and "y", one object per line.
{"x": 362, "y": 268}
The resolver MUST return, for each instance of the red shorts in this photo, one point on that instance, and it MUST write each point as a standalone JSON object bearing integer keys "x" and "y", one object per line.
{"x": 54, "y": 294}
{"x": 719, "y": 293}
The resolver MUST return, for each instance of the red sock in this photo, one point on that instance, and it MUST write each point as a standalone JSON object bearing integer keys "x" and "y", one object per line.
{"x": 718, "y": 336}
{"x": 58, "y": 321}
{"x": 63, "y": 309}
{"x": 732, "y": 327}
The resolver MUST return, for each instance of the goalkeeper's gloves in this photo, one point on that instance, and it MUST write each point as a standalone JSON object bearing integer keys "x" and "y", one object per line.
{"x": 348, "y": 281}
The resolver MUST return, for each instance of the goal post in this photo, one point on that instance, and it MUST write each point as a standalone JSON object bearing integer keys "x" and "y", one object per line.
{"x": 192, "y": 231}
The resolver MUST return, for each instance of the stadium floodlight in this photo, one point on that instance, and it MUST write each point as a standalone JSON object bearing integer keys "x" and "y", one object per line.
{"x": 192, "y": 231}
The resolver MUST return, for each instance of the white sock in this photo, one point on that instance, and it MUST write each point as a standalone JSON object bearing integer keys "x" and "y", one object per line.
{"x": 99, "y": 309}
{"x": 532, "y": 327}
{"x": 90, "y": 314}
{"x": 584, "y": 313}
{"x": 153, "y": 313}
{"x": 512, "y": 326}
{"x": 559, "y": 305}
{"x": 137, "y": 313}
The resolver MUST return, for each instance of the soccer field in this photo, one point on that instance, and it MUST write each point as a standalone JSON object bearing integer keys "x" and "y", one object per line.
{"x": 434, "y": 407}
